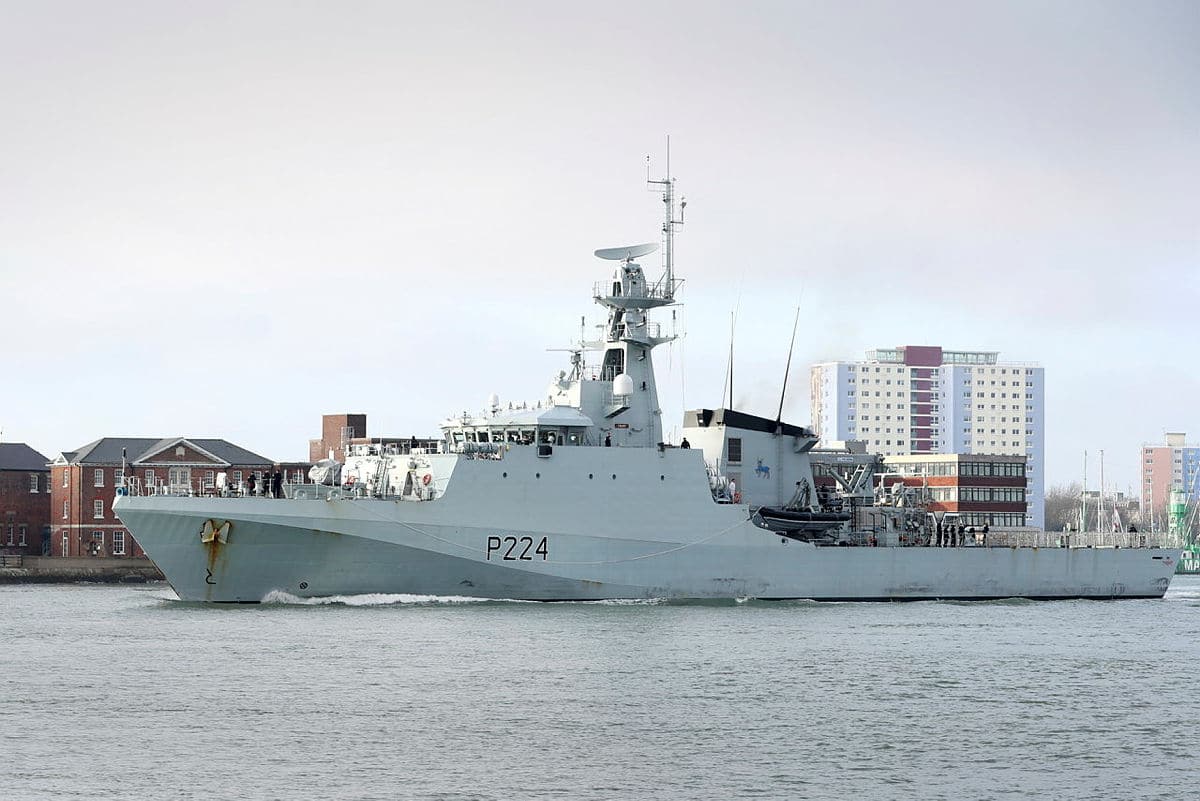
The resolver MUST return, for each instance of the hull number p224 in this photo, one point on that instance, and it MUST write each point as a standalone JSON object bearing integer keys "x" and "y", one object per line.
{"x": 517, "y": 549}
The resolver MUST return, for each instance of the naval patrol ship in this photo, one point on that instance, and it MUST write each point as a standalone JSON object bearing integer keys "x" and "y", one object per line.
{"x": 578, "y": 497}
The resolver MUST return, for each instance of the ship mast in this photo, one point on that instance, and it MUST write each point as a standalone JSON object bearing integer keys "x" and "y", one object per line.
{"x": 666, "y": 185}
{"x": 630, "y": 405}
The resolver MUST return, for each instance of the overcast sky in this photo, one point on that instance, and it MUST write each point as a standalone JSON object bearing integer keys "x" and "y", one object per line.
{"x": 227, "y": 219}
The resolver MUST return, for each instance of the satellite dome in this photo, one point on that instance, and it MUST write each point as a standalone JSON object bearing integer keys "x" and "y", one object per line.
{"x": 622, "y": 385}
{"x": 493, "y": 401}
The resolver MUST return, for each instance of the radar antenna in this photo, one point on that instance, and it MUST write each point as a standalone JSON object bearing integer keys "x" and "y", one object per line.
{"x": 626, "y": 253}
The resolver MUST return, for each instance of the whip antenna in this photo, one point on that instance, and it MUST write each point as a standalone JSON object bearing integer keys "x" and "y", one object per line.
{"x": 788, "y": 368}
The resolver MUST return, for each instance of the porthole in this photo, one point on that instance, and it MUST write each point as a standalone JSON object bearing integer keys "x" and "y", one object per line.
{"x": 590, "y": 476}
{"x": 537, "y": 475}
{"x": 614, "y": 476}
{"x": 504, "y": 475}
{"x": 662, "y": 478}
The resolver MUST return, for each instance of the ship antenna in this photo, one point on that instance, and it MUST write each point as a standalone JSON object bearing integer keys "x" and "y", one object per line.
{"x": 727, "y": 389}
{"x": 666, "y": 185}
{"x": 733, "y": 323}
{"x": 787, "y": 369}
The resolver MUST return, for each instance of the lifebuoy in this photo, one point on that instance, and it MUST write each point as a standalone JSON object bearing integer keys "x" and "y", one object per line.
{"x": 737, "y": 497}
{"x": 425, "y": 479}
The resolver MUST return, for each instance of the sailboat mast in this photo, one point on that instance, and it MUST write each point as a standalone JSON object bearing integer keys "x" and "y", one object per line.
{"x": 1083, "y": 497}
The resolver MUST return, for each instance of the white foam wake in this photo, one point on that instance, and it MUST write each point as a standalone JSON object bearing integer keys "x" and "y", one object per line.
{"x": 626, "y": 602}
{"x": 377, "y": 599}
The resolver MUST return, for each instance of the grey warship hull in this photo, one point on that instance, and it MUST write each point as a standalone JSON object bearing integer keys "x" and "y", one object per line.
{"x": 586, "y": 524}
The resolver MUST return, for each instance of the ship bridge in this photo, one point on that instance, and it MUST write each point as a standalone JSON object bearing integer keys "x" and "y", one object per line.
{"x": 544, "y": 425}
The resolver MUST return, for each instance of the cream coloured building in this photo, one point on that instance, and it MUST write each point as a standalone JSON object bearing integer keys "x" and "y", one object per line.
{"x": 924, "y": 399}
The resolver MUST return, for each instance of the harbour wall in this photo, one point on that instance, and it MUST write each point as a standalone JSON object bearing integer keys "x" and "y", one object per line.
{"x": 59, "y": 570}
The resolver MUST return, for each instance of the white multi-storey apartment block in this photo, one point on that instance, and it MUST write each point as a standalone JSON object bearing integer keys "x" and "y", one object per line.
{"x": 923, "y": 399}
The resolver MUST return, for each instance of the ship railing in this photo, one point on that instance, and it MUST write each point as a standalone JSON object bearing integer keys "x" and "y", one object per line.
{"x": 481, "y": 450}
{"x": 610, "y": 399}
{"x": 599, "y": 373}
{"x": 201, "y": 487}
{"x": 660, "y": 290}
{"x": 1075, "y": 539}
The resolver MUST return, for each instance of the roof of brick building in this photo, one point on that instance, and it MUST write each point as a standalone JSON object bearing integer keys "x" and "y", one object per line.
{"x": 19, "y": 456}
{"x": 108, "y": 450}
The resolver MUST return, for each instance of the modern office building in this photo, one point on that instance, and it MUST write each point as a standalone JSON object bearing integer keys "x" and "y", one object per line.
{"x": 979, "y": 489}
{"x": 1171, "y": 466}
{"x": 920, "y": 399}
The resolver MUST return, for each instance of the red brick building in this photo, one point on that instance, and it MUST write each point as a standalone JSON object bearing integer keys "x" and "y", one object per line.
{"x": 84, "y": 482}
{"x": 341, "y": 432}
{"x": 24, "y": 498}
{"x": 336, "y": 432}
{"x": 980, "y": 489}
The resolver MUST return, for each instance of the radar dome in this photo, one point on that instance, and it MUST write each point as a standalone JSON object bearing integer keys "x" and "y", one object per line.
{"x": 493, "y": 401}
{"x": 622, "y": 385}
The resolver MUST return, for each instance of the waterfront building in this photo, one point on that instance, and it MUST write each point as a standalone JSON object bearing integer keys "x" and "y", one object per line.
{"x": 978, "y": 489}
{"x": 336, "y": 432}
{"x": 341, "y": 432}
{"x": 1173, "y": 466}
{"x": 919, "y": 399}
{"x": 24, "y": 499}
{"x": 84, "y": 483}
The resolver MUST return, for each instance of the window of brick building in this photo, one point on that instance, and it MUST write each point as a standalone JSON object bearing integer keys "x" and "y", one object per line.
{"x": 66, "y": 543}
{"x": 66, "y": 477}
{"x": 98, "y": 477}
{"x": 66, "y": 509}
{"x": 118, "y": 543}
{"x": 11, "y": 532}
{"x": 119, "y": 477}
{"x": 97, "y": 509}
{"x": 33, "y": 482}
{"x": 24, "y": 532}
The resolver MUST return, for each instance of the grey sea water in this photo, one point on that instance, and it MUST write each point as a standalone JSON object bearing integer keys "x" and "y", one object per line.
{"x": 126, "y": 693}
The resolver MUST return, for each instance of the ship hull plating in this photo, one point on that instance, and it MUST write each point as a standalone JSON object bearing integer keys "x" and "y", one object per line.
{"x": 606, "y": 528}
